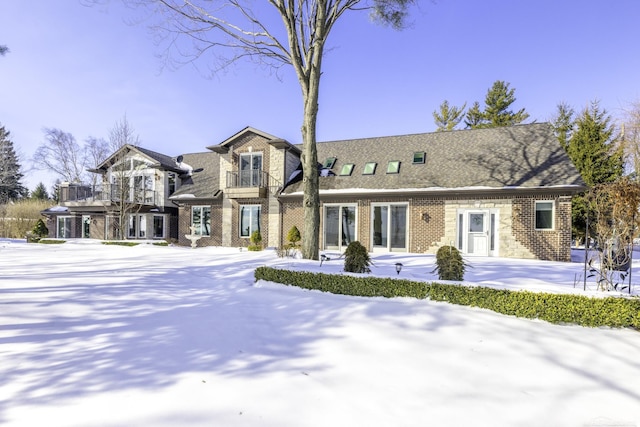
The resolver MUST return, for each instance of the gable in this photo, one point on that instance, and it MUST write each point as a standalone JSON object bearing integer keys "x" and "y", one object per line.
{"x": 246, "y": 135}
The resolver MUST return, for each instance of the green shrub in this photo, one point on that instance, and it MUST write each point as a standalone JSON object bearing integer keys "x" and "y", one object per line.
{"x": 120, "y": 243}
{"x": 40, "y": 229}
{"x": 344, "y": 284}
{"x": 293, "y": 236}
{"x": 553, "y": 308}
{"x": 356, "y": 258}
{"x": 255, "y": 239}
{"x": 51, "y": 241}
{"x": 449, "y": 264}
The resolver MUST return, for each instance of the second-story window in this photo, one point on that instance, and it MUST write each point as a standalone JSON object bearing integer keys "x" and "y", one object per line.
{"x": 172, "y": 182}
{"x": 250, "y": 169}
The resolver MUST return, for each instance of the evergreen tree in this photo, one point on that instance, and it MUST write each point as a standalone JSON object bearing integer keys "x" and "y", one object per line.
{"x": 564, "y": 124}
{"x": 594, "y": 150}
{"x": 474, "y": 117}
{"x": 10, "y": 176}
{"x": 55, "y": 191}
{"x": 40, "y": 192}
{"x": 593, "y": 147}
{"x": 449, "y": 116}
{"x": 497, "y": 102}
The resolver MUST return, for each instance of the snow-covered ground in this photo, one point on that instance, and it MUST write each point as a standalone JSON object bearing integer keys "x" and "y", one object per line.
{"x": 94, "y": 335}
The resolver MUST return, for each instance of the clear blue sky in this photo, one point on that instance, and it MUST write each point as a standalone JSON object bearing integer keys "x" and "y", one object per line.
{"x": 80, "y": 69}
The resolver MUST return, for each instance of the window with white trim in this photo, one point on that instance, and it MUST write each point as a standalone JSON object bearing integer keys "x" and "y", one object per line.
{"x": 64, "y": 227}
{"x": 544, "y": 215}
{"x": 249, "y": 219}
{"x": 201, "y": 220}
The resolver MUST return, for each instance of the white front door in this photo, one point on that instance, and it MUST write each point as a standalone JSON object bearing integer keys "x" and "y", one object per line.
{"x": 477, "y": 232}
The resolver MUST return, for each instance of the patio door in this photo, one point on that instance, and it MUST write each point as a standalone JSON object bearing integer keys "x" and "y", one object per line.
{"x": 389, "y": 227}
{"x": 339, "y": 226}
{"x": 250, "y": 169}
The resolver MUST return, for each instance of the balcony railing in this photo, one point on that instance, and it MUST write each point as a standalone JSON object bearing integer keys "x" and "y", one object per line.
{"x": 252, "y": 179}
{"x": 88, "y": 193}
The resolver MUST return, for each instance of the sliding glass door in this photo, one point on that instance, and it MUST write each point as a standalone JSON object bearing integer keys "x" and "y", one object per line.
{"x": 389, "y": 227}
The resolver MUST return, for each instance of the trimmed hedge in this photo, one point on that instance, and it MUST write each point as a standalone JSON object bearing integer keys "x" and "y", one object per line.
{"x": 553, "y": 308}
{"x": 51, "y": 241}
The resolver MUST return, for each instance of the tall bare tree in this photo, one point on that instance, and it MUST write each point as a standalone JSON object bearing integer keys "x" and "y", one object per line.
{"x": 61, "y": 154}
{"x": 630, "y": 137}
{"x": 281, "y": 33}
{"x": 124, "y": 198}
{"x": 96, "y": 150}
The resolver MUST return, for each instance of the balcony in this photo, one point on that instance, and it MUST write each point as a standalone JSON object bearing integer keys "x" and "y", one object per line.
{"x": 72, "y": 194}
{"x": 250, "y": 184}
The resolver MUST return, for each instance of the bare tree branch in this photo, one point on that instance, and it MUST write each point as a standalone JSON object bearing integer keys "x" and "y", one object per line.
{"x": 60, "y": 154}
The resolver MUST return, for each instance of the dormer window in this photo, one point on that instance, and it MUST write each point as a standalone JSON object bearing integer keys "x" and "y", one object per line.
{"x": 419, "y": 157}
{"x": 328, "y": 164}
{"x": 393, "y": 166}
{"x": 346, "y": 170}
{"x": 369, "y": 168}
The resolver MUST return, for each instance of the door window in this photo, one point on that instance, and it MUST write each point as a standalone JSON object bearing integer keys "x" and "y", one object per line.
{"x": 389, "y": 227}
{"x": 339, "y": 226}
{"x": 250, "y": 169}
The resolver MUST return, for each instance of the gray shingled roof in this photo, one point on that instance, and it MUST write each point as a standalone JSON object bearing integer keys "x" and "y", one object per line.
{"x": 523, "y": 156}
{"x": 202, "y": 185}
{"x": 166, "y": 162}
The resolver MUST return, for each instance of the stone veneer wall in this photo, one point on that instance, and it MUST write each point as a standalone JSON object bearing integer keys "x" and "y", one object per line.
{"x": 508, "y": 245}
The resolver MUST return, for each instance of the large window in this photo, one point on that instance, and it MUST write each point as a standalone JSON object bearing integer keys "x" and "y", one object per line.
{"x": 249, "y": 219}
{"x": 389, "y": 227}
{"x": 544, "y": 215}
{"x": 201, "y": 220}
{"x": 339, "y": 226}
{"x": 171, "y": 179}
{"x": 137, "y": 226}
{"x": 250, "y": 169}
{"x": 64, "y": 227}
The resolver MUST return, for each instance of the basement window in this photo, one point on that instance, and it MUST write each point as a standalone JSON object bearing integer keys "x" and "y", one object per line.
{"x": 369, "y": 168}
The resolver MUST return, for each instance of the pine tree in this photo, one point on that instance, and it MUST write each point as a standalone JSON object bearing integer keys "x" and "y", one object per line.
{"x": 593, "y": 147}
{"x": 40, "y": 192}
{"x": 474, "y": 117}
{"x": 10, "y": 176}
{"x": 564, "y": 124}
{"x": 594, "y": 150}
{"x": 449, "y": 116}
{"x": 497, "y": 102}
